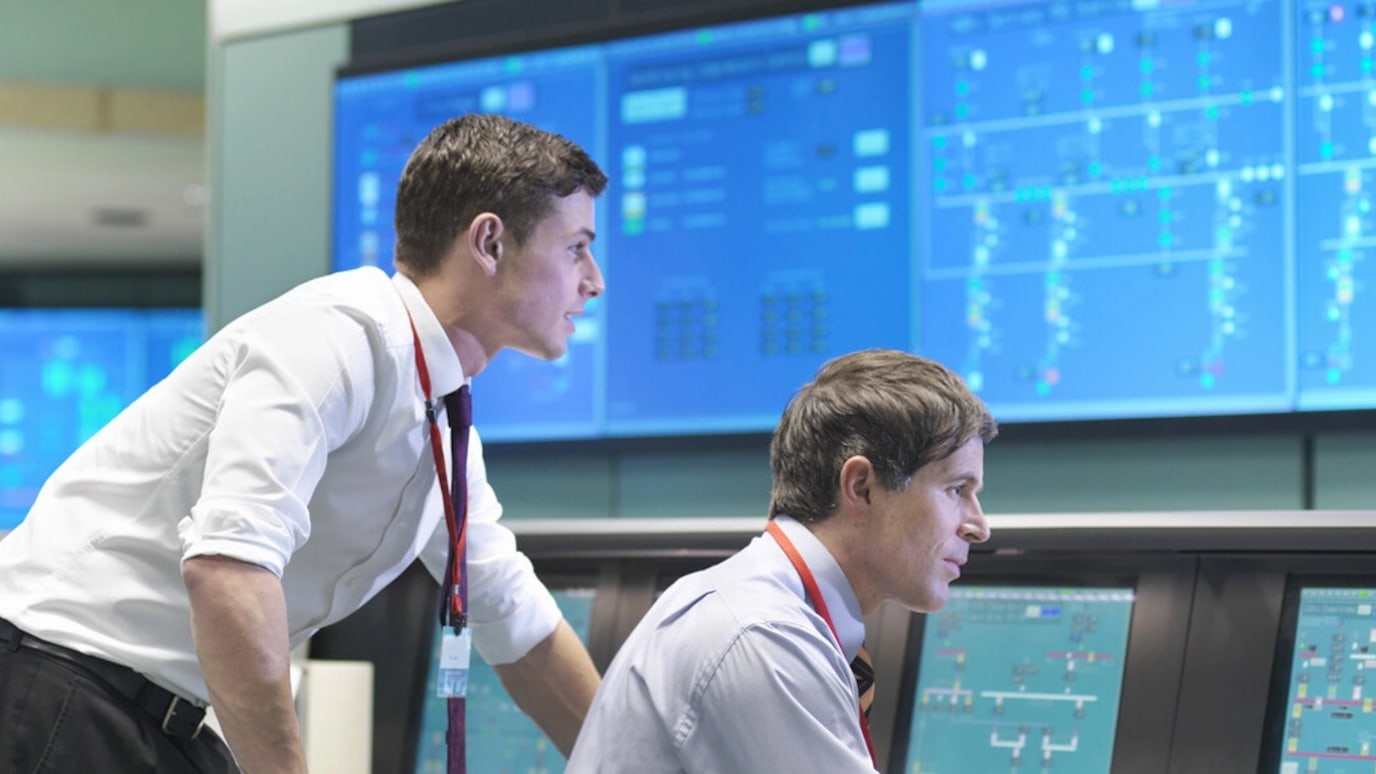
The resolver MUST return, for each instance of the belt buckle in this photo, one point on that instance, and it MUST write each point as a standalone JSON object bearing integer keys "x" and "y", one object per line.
{"x": 175, "y": 721}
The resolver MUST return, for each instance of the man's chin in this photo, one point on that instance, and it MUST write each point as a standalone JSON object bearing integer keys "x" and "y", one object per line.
{"x": 547, "y": 352}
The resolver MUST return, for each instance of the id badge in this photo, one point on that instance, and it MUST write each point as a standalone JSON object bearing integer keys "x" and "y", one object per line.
{"x": 455, "y": 650}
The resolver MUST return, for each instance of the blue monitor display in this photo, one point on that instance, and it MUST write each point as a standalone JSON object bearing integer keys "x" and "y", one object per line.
{"x": 1330, "y": 717}
{"x": 758, "y": 202}
{"x": 1020, "y": 679}
{"x": 64, "y": 373}
{"x": 1335, "y": 173}
{"x": 1135, "y": 263}
{"x": 761, "y": 190}
{"x": 500, "y": 738}
{"x": 1096, "y": 209}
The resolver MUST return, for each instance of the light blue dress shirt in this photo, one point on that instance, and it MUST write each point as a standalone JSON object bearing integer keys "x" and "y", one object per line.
{"x": 732, "y": 671}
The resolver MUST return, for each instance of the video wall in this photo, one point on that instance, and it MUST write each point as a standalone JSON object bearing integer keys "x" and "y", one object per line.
{"x": 64, "y": 373}
{"x": 1098, "y": 209}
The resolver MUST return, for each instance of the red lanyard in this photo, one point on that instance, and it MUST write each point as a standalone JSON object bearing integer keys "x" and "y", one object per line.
{"x": 458, "y": 530}
{"x": 814, "y": 597}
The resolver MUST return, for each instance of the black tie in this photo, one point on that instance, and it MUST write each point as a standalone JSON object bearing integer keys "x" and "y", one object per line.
{"x": 864, "y": 678}
{"x": 459, "y": 407}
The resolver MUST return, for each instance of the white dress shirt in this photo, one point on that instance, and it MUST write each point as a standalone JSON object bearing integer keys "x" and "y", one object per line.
{"x": 733, "y": 672}
{"x": 294, "y": 439}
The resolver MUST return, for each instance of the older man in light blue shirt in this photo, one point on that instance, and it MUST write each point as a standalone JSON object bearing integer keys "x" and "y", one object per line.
{"x": 745, "y": 666}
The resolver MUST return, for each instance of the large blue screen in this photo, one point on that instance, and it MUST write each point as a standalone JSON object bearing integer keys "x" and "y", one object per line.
{"x": 1091, "y": 209}
{"x": 64, "y": 373}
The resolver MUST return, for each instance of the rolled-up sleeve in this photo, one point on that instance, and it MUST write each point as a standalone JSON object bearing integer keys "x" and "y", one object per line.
{"x": 509, "y": 609}
{"x": 288, "y": 400}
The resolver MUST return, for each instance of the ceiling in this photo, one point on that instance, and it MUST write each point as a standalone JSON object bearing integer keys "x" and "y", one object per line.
{"x": 81, "y": 198}
{"x": 102, "y": 152}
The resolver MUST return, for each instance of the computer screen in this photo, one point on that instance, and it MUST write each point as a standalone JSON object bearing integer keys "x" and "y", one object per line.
{"x": 1096, "y": 209}
{"x": 1019, "y": 678}
{"x": 1327, "y": 650}
{"x": 500, "y": 738}
{"x": 64, "y": 373}
{"x": 1136, "y": 263}
{"x": 760, "y": 180}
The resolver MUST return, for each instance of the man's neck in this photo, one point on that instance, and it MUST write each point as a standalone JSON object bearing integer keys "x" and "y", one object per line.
{"x": 444, "y": 297}
{"x": 844, "y": 539}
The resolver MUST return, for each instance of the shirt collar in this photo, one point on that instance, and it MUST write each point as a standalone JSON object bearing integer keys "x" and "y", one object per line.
{"x": 446, "y": 372}
{"x": 841, "y": 601}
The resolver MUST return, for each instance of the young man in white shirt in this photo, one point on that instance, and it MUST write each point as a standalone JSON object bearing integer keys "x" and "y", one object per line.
{"x": 284, "y": 474}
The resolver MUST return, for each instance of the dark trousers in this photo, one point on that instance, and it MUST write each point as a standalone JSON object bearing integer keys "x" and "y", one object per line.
{"x": 58, "y": 716}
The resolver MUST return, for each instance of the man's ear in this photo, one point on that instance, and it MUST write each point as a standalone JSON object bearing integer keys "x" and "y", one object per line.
{"x": 857, "y": 482}
{"x": 484, "y": 241}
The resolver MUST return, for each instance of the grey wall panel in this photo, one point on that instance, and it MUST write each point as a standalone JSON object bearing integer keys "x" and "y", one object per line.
{"x": 270, "y": 154}
{"x": 551, "y": 485}
{"x": 1345, "y": 471}
{"x": 698, "y": 483}
{"x": 1144, "y": 474}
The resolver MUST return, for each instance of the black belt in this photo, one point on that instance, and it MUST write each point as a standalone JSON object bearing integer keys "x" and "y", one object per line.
{"x": 176, "y": 716}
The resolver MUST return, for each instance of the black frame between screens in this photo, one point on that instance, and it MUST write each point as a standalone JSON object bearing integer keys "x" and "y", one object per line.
{"x": 1157, "y": 638}
{"x": 1237, "y": 647}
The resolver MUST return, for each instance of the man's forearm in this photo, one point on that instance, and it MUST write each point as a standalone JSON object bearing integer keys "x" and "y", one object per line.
{"x": 239, "y": 624}
{"x": 554, "y": 684}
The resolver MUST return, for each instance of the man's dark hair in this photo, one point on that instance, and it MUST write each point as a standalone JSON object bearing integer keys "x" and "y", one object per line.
{"x": 899, "y": 411}
{"x": 483, "y": 163}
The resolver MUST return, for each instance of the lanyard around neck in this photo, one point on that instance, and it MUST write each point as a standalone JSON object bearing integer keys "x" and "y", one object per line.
{"x": 814, "y": 597}
{"x": 458, "y": 530}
